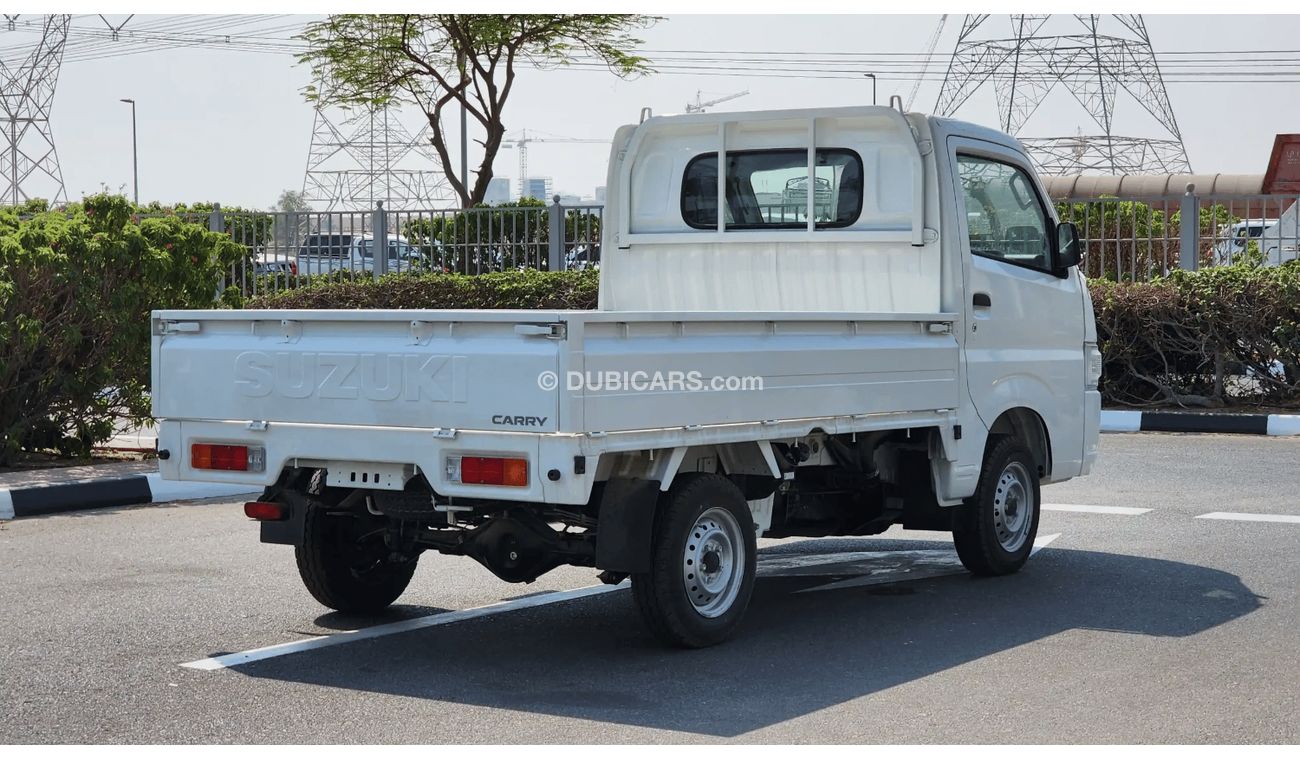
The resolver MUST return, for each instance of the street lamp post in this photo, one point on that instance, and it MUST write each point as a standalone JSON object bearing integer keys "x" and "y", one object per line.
{"x": 135, "y": 156}
{"x": 873, "y": 87}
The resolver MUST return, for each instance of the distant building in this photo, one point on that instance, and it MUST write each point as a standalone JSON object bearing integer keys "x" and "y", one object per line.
{"x": 568, "y": 199}
{"x": 600, "y": 195}
{"x": 498, "y": 191}
{"x": 538, "y": 187}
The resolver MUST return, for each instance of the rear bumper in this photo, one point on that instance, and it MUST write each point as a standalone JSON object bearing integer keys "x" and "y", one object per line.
{"x": 307, "y": 445}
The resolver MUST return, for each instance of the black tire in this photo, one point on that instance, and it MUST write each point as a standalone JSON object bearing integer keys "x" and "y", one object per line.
{"x": 663, "y": 596}
{"x": 988, "y": 518}
{"x": 345, "y": 564}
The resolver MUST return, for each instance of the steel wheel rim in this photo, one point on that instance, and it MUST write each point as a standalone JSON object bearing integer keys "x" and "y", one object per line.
{"x": 713, "y": 562}
{"x": 1013, "y": 507}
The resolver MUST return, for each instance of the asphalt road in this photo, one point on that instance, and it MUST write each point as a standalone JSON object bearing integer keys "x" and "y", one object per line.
{"x": 1155, "y": 627}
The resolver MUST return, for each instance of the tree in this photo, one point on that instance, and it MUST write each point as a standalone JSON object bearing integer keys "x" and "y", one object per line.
{"x": 292, "y": 200}
{"x": 438, "y": 61}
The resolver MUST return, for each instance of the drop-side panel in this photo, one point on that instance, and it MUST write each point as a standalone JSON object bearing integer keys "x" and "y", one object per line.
{"x": 659, "y": 373}
{"x": 454, "y": 370}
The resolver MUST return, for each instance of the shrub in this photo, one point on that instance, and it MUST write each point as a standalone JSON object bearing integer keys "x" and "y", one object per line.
{"x": 1206, "y": 338}
{"x": 497, "y": 290}
{"x": 76, "y": 287}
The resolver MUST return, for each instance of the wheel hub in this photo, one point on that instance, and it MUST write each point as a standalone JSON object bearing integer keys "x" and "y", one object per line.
{"x": 713, "y": 562}
{"x": 1013, "y": 507}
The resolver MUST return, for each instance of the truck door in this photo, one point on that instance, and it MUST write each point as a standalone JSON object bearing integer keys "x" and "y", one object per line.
{"x": 1025, "y": 321}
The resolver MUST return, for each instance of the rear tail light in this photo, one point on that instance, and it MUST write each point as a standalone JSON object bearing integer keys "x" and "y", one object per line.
{"x": 265, "y": 510}
{"x": 225, "y": 456}
{"x": 293, "y": 268}
{"x": 488, "y": 471}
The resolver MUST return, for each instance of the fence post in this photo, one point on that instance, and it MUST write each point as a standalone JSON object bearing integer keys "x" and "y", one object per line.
{"x": 555, "y": 236}
{"x": 217, "y": 223}
{"x": 379, "y": 241}
{"x": 1189, "y": 229}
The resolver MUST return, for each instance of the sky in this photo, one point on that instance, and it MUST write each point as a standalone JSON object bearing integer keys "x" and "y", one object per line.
{"x": 233, "y": 126}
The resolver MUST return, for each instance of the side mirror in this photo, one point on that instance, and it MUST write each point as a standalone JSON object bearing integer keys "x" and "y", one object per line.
{"x": 1068, "y": 251}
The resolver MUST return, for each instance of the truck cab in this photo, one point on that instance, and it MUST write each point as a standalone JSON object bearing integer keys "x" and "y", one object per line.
{"x": 819, "y": 322}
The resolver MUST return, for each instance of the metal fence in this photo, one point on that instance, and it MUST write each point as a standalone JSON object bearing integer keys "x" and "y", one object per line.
{"x": 295, "y": 248}
{"x": 1137, "y": 239}
{"x": 1127, "y": 239}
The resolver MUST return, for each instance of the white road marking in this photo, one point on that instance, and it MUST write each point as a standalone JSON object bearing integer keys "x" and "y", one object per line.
{"x": 1093, "y": 508}
{"x": 1249, "y": 517}
{"x": 1041, "y": 542}
{"x": 402, "y": 626}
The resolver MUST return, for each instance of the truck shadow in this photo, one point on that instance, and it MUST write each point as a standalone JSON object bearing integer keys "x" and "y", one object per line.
{"x": 796, "y": 653}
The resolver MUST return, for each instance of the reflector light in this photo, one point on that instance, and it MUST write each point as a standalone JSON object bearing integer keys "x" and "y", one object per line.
{"x": 265, "y": 510}
{"x": 1095, "y": 365}
{"x": 490, "y": 471}
{"x": 219, "y": 456}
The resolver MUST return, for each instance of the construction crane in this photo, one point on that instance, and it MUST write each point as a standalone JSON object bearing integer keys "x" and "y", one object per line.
{"x": 929, "y": 56}
{"x": 698, "y": 106}
{"x": 522, "y": 143}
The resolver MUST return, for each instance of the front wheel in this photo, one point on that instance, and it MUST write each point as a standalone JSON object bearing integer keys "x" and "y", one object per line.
{"x": 996, "y": 530}
{"x": 346, "y": 564}
{"x": 704, "y": 560}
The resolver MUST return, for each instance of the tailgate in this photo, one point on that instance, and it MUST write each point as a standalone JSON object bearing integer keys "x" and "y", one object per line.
{"x": 434, "y": 369}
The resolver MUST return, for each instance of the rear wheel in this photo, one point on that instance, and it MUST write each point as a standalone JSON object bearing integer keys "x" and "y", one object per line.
{"x": 998, "y": 525}
{"x": 703, "y": 563}
{"x": 346, "y": 564}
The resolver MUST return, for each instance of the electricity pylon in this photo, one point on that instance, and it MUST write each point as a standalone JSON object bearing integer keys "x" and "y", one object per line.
{"x": 1097, "y": 62}
{"x": 29, "y": 165}
{"x": 359, "y": 159}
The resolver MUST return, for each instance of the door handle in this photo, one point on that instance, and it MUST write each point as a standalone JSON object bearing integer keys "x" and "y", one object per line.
{"x": 982, "y": 301}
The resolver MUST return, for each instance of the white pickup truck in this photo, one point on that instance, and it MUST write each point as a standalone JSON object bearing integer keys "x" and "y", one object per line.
{"x": 912, "y": 345}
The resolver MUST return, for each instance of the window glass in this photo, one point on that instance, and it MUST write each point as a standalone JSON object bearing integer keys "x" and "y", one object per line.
{"x": 396, "y": 250}
{"x": 768, "y": 189}
{"x": 1004, "y": 217}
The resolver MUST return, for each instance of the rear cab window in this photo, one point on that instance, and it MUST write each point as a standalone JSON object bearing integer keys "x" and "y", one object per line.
{"x": 768, "y": 189}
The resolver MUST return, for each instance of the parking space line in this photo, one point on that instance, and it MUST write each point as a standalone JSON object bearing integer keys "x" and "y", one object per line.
{"x": 414, "y": 624}
{"x": 1249, "y": 517}
{"x": 1041, "y": 543}
{"x": 1094, "y": 509}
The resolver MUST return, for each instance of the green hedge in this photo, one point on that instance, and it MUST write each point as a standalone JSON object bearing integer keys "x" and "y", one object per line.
{"x": 1210, "y": 338}
{"x": 498, "y": 290}
{"x": 76, "y": 287}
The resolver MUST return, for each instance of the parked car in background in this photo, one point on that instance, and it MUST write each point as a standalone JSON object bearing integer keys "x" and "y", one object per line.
{"x": 1234, "y": 239}
{"x": 325, "y": 245}
{"x": 271, "y": 265}
{"x": 359, "y": 256}
{"x": 583, "y": 257}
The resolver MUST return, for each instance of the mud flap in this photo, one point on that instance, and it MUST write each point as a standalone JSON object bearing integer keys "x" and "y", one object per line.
{"x": 288, "y": 531}
{"x": 625, "y": 525}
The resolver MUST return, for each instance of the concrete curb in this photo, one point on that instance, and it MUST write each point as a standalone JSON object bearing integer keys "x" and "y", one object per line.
{"x": 1120, "y": 421}
{"x": 106, "y": 492}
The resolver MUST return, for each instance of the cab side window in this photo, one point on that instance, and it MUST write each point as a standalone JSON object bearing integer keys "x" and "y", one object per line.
{"x": 1004, "y": 216}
